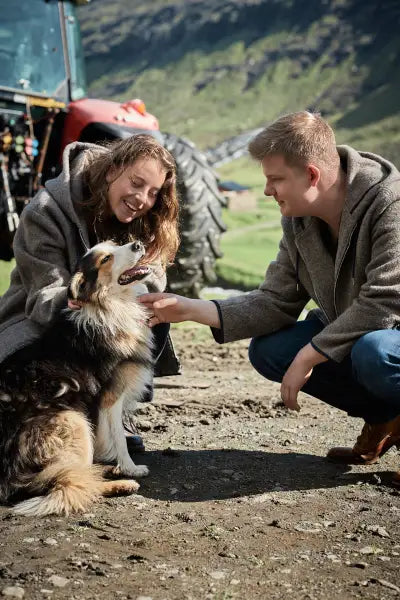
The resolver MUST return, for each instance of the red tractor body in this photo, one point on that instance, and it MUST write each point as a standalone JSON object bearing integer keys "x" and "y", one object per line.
{"x": 81, "y": 113}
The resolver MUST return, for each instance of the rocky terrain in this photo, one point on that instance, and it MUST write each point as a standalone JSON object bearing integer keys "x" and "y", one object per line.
{"x": 240, "y": 502}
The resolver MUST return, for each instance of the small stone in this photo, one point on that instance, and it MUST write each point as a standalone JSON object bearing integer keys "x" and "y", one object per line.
{"x": 359, "y": 565}
{"x": 144, "y": 425}
{"x": 217, "y": 574}
{"x": 50, "y": 542}
{"x": 329, "y": 523}
{"x": 377, "y": 530}
{"x": 46, "y": 592}
{"x": 370, "y": 550}
{"x": 307, "y": 527}
{"x": 385, "y": 583}
{"x": 144, "y": 598}
{"x": 13, "y": 591}
{"x": 58, "y": 581}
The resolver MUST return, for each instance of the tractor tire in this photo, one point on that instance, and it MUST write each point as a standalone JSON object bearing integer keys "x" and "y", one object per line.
{"x": 200, "y": 219}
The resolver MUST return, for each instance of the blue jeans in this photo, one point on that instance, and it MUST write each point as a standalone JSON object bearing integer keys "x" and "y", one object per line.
{"x": 365, "y": 384}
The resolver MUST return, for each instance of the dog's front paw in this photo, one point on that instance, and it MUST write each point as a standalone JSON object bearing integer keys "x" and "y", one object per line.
{"x": 133, "y": 470}
{"x": 141, "y": 471}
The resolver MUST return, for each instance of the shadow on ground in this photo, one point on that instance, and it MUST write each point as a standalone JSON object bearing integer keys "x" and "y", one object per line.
{"x": 201, "y": 475}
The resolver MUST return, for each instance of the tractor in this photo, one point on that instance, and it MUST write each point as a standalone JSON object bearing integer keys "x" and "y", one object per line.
{"x": 44, "y": 106}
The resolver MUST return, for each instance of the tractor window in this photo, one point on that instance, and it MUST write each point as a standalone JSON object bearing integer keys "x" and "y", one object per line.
{"x": 31, "y": 50}
{"x": 75, "y": 52}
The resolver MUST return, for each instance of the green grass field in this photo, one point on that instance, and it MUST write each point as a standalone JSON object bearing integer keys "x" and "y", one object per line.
{"x": 252, "y": 238}
{"x": 5, "y": 270}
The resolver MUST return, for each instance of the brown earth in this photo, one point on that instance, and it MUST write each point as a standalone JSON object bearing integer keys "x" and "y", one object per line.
{"x": 239, "y": 503}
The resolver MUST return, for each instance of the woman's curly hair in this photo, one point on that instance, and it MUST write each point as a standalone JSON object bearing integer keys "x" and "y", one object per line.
{"x": 158, "y": 228}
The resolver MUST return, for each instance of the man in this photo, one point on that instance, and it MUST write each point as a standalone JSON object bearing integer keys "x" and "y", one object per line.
{"x": 341, "y": 248}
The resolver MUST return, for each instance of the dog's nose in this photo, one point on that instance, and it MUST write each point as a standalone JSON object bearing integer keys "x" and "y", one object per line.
{"x": 137, "y": 246}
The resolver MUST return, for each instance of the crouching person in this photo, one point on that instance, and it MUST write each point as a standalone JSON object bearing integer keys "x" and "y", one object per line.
{"x": 340, "y": 247}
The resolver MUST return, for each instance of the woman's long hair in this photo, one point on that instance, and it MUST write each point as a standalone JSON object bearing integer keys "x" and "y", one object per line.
{"x": 158, "y": 228}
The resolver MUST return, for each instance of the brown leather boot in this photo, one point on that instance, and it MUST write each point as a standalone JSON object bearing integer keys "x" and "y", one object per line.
{"x": 371, "y": 444}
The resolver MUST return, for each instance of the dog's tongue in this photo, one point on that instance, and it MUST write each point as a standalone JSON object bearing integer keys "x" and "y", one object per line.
{"x": 136, "y": 271}
{"x": 130, "y": 272}
{"x": 133, "y": 274}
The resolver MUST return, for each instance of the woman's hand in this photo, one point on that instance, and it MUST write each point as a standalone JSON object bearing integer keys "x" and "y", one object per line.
{"x": 298, "y": 374}
{"x": 171, "y": 308}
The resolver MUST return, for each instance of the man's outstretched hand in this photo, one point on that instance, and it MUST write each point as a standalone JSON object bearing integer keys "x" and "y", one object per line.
{"x": 171, "y": 308}
{"x": 166, "y": 308}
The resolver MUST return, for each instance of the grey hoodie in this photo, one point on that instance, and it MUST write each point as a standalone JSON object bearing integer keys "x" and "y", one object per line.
{"x": 357, "y": 291}
{"x": 51, "y": 237}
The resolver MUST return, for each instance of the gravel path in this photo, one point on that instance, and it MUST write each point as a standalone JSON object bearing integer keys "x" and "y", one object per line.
{"x": 240, "y": 503}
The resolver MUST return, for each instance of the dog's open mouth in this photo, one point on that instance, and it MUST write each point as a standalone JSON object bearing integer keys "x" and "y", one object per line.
{"x": 133, "y": 274}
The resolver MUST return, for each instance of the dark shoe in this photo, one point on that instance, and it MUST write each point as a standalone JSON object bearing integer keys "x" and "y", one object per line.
{"x": 396, "y": 479}
{"x": 371, "y": 444}
{"x": 135, "y": 443}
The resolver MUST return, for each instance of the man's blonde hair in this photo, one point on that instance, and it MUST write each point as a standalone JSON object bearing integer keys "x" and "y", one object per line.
{"x": 301, "y": 138}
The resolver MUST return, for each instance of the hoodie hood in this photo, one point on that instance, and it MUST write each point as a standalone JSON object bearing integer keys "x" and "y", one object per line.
{"x": 66, "y": 189}
{"x": 365, "y": 173}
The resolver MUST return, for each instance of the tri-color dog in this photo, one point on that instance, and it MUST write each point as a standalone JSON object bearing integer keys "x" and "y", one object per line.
{"x": 62, "y": 398}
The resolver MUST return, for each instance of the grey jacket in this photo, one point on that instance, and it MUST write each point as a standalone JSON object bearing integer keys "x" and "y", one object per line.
{"x": 357, "y": 291}
{"x": 51, "y": 237}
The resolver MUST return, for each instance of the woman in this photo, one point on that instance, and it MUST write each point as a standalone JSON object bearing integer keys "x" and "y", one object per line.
{"x": 121, "y": 191}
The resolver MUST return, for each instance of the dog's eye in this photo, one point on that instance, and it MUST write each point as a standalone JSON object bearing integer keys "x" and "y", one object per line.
{"x": 105, "y": 259}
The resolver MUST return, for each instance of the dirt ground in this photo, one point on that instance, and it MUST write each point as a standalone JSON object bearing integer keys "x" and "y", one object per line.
{"x": 239, "y": 503}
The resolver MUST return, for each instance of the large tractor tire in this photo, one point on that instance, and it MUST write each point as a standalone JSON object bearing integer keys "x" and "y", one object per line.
{"x": 201, "y": 225}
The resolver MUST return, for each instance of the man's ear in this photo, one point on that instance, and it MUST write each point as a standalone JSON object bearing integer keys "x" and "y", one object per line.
{"x": 314, "y": 175}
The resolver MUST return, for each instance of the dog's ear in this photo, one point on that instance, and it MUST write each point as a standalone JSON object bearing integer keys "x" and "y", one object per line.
{"x": 82, "y": 285}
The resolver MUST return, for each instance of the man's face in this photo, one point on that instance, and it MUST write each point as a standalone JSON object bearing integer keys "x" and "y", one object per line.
{"x": 290, "y": 186}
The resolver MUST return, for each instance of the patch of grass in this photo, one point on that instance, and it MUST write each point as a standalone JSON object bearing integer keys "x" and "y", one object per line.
{"x": 247, "y": 255}
{"x": 5, "y": 270}
{"x": 252, "y": 236}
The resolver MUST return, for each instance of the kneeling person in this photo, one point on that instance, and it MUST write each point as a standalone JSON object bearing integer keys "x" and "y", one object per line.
{"x": 341, "y": 248}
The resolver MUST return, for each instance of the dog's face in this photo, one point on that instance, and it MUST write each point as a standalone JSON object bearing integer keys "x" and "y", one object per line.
{"x": 108, "y": 269}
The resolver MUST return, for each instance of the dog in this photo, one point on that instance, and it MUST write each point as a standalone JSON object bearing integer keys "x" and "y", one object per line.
{"x": 62, "y": 398}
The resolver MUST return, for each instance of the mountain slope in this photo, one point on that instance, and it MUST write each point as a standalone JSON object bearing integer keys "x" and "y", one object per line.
{"x": 211, "y": 69}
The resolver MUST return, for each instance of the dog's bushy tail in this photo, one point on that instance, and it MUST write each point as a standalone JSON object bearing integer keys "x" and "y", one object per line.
{"x": 67, "y": 489}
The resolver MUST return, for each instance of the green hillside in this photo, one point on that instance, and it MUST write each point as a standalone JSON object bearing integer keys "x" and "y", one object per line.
{"x": 210, "y": 70}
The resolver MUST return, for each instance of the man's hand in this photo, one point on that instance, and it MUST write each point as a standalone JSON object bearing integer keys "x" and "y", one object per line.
{"x": 298, "y": 374}
{"x": 166, "y": 308}
{"x": 171, "y": 308}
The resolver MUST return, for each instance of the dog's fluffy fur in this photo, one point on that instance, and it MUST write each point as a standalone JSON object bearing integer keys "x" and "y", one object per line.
{"x": 62, "y": 398}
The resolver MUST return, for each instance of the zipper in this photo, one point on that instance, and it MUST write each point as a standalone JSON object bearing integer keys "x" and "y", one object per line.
{"x": 340, "y": 266}
{"x": 321, "y": 306}
{"x": 82, "y": 238}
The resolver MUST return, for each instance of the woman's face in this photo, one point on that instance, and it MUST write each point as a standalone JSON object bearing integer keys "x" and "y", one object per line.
{"x": 133, "y": 191}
